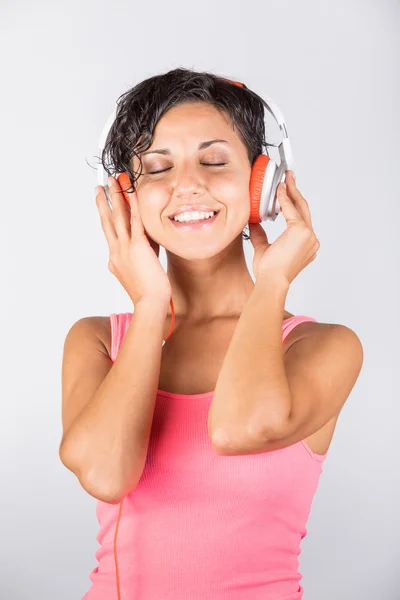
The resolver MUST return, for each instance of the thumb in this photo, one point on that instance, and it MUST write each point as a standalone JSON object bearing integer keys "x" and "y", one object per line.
{"x": 155, "y": 245}
{"x": 258, "y": 235}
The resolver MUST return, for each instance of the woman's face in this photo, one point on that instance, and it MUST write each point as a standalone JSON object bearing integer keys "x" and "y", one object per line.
{"x": 187, "y": 180}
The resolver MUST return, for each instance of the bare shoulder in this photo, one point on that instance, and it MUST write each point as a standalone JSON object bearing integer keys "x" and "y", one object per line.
{"x": 102, "y": 327}
{"x": 89, "y": 332}
{"x": 326, "y": 330}
{"x": 321, "y": 331}
{"x": 335, "y": 348}
{"x": 339, "y": 354}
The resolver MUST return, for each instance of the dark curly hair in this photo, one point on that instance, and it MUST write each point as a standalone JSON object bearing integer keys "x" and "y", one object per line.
{"x": 140, "y": 108}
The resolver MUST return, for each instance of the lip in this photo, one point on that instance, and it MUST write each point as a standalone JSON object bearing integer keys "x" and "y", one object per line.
{"x": 192, "y": 208}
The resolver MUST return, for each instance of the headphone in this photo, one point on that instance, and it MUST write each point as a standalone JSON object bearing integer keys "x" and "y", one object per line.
{"x": 265, "y": 177}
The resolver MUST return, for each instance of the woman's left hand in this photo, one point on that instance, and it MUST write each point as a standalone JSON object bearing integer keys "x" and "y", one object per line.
{"x": 296, "y": 247}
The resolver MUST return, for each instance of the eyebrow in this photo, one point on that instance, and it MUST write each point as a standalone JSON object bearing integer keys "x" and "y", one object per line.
{"x": 201, "y": 147}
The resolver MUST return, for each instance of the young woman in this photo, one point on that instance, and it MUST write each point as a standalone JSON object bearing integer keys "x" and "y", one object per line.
{"x": 204, "y": 453}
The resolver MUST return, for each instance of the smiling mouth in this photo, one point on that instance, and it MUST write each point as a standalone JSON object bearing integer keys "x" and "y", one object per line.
{"x": 195, "y": 223}
{"x": 194, "y": 220}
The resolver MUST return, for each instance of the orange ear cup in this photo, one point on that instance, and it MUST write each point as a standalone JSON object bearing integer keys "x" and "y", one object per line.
{"x": 125, "y": 183}
{"x": 256, "y": 184}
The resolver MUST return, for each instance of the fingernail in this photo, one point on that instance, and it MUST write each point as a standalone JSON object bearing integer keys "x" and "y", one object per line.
{"x": 293, "y": 175}
{"x": 97, "y": 189}
{"x": 110, "y": 181}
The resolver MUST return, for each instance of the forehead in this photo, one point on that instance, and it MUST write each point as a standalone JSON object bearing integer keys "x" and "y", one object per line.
{"x": 193, "y": 115}
{"x": 185, "y": 126}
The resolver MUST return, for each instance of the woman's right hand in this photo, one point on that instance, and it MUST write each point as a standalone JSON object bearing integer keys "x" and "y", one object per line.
{"x": 133, "y": 254}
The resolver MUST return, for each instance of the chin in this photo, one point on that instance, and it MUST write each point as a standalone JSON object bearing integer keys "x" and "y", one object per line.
{"x": 196, "y": 253}
{"x": 202, "y": 250}
{"x": 200, "y": 245}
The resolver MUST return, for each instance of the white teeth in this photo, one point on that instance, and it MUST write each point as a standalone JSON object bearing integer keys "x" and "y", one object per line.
{"x": 193, "y": 216}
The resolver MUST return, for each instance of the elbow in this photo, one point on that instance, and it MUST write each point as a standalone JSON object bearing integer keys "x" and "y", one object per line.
{"x": 109, "y": 497}
{"x": 104, "y": 492}
{"x": 250, "y": 443}
{"x": 100, "y": 487}
{"x": 225, "y": 444}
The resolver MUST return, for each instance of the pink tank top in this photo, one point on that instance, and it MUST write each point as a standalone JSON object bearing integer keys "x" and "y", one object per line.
{"x": 202, "y": 526}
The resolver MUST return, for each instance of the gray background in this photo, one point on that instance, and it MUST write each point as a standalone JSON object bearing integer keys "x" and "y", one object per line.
{"x": 332, "y": 68}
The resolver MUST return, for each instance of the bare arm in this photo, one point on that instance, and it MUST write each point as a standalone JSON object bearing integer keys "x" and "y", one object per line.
{"x": 108, "y": 407}
{"x": 252, "y": 389}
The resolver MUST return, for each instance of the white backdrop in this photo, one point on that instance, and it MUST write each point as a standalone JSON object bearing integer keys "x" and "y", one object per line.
{"x": 332, "y": 68}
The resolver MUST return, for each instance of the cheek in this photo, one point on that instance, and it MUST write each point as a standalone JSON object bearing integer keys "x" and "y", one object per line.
{"x": 151, "y": 209}
{"x": 231, "y": 189}
{"x": 235, "y": 195}
{"x": 151, "y": 199}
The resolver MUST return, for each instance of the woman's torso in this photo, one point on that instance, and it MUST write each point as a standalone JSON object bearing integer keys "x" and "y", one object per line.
{"x": 199, "y": 350}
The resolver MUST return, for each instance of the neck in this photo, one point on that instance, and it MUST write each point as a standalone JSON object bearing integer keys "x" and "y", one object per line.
{"x": 210, "y": 288}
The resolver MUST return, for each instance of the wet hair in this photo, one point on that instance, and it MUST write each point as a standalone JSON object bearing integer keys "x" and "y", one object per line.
{"x": 140, "y": 108}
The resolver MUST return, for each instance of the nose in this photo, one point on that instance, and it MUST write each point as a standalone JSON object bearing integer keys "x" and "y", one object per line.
{"x": 188, "y": 181}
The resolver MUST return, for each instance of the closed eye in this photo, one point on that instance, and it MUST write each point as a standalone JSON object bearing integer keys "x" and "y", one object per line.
{"x": 205, "y": 164}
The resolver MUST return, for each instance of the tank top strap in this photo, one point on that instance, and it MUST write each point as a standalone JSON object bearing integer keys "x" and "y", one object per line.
{"x": 291, "y": 323}
{"x": 119, "y": 326}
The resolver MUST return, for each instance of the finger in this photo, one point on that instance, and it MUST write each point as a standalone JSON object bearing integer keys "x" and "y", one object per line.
{"x": 136, "y": 223}
{"x": 106, "y": 219}
{"x": 295, "y": 195}
{"x": 120, "y": 209}
{"x": 289, "y": 209}
{"x": 137, "y": 227}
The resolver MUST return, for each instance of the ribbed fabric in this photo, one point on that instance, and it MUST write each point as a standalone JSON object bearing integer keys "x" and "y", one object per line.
{"x": 201, "y": 526}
